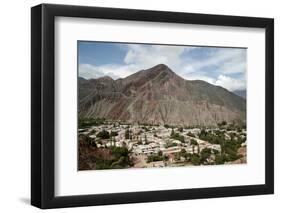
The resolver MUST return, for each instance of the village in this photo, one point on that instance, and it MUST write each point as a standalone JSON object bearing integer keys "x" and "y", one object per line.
{"x": 169, "y": 146}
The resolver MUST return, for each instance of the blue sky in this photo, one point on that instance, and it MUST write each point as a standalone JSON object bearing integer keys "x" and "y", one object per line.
{"x": 225, "y": 67}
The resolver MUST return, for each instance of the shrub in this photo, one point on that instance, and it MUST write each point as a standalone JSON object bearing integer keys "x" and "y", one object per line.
{"x": 195, "y": 159}
{"x": 127, "y": 134}
{"x": 180, "y": 129}
{"x": 103, "y": 134}
{"x": 205, "y": 154}
{"x": 219, "y": 159}
{"x": 87, "y": 122}
{"x": 113, "y": 134}
{"x": 193, "y": 142}
{"x": 190, "y": 134}
{"x": 177, "y": 136}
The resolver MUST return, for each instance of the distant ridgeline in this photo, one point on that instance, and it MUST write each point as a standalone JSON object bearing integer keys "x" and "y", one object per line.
{"x": 158, "y": 96}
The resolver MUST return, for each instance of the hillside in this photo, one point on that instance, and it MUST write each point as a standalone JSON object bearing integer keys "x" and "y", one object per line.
{"x": 159, "y": 96}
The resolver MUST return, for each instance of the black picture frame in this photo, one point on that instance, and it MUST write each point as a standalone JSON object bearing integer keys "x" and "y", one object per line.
{"x": 43, "y": 102}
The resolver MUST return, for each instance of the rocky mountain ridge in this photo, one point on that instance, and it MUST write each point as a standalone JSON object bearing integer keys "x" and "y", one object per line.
{"x": 159, "y": 96}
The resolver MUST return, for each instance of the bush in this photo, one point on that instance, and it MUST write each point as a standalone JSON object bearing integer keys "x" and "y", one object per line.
{"x": 220, "y": 159}
{"x": 193, "y": 142}
{"x": 205, "y": 154}
{"x": 190, "y": 134}
{"x": 103, "y": 134}
{"x": 127, "y": 134}
{"x": 86, "y": 140}
{"x": 145, "y": 128}
{"x": 88, "y": 122}
{"x": 177, "y": 136}
{"x": 113, "y": 134}
{"x": 155, "y": 157}
{"x": 119, "y": 151}
{"x": 166, "y": 126}
{"x": 169, "y": 144}
{"x": 195, "y": 159}
{"x": 180, "y": 129}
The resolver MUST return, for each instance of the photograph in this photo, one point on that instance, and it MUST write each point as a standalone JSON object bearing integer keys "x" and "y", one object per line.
{"x": 140, "y": 105}
{"x": 160, "y": 105}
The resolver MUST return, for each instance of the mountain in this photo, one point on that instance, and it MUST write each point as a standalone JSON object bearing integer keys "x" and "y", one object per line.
{"x": 159, "y": 96}
{"x": 241, "y": 93}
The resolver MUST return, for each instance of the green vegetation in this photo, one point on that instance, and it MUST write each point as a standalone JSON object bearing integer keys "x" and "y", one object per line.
{"x": 145, "y": 128}
{"x": 183, "y": 154}
{"x": 103, "y": 134}
{"x": 193, "y": 143}
{"x": 180, "y": 129}
{"x": 220, "y": 159}
{"x": 222, "y": 124}
{"x": 205, "y": 154}
{"x": 169, "y": 126}
{"x": 85, "y": 140}
{"x": 127, "y": 134}
{"x": 170, "y": 144}
{"x": 190, "y": 134}
{"x": 157, "y": 157}
{"x": 119, "y": 159}
{"x": 92, "y": 132}
{"x": 177, "y": 136}
{"x": 229, "y": 146}
{"x": 145, "y": 139}
{"x": 113, "y": 134}
{"x": 210, "y": 137}
{"x": 195, "y": 159}
{"x": 88, "y": 122}
{"x": 237, "y": 126}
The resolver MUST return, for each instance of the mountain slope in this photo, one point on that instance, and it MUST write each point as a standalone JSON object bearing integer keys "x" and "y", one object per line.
{"x": 159, "y": 96}
{"x": 241, "y": 93}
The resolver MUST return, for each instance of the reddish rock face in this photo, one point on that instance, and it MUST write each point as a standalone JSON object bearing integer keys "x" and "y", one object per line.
{"x": 159, "y": 96}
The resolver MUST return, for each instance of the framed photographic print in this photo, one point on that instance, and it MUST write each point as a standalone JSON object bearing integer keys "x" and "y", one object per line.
{"x": 139, "y": 106}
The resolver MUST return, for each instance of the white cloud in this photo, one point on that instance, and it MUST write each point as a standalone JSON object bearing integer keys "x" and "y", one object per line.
{"x": 228, "y": 61}
{"x": 113, "y": 70}
{"x": 194, "y": 76}
{"x": 148, "y": 56}
{"x": 229, "y": 83}
{"x": 89, "y": 71}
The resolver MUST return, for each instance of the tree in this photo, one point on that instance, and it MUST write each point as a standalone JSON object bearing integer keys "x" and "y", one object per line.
{"x": 193, "y": 143}
{"x": 145, "y": 139}
{"x": 172, "y": 133}
{"x": 190, "y": 134}
{"x": 127, "y": 134}
{"x": 219, "y": 159}
{"x": 205, "y": 154}
{"x": 113, "y": 133}
{"x": 103, "y": 134}
{"x": 195, "y": 160}
{"x": 177, "y": 136}
{"x": 114, "y": 141}
{"x": 183, "y": 151}
{"x": 86, "y": 140}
